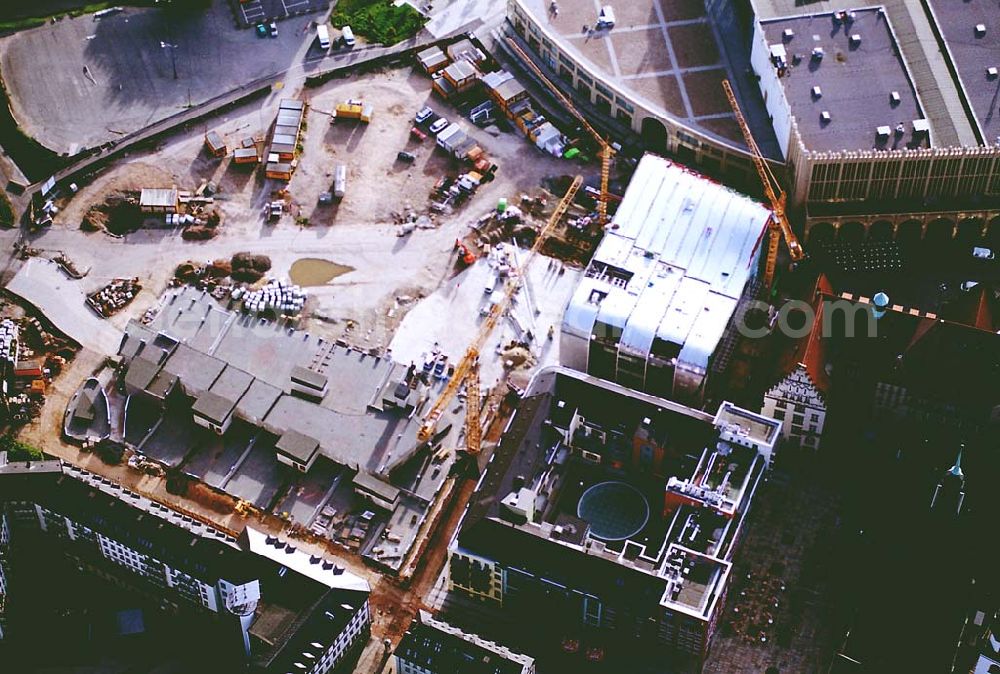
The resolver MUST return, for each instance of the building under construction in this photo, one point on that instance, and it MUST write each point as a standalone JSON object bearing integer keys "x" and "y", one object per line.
{"x": 655, "y": 310}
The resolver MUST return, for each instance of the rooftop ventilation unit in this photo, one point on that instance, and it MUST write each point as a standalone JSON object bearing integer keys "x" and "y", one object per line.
{"x": 980, "y": 30}
{"x": 894, "y": 98}
{"x": 824, "y": 117}
{"x": 817, "y": 92}
{"x": 883, "y": 132}
{"x": 991, "y": 73}
{"x": 817, "y": 54}
{"x": 856, "y": 40}
{"x": 921, "y": 126}
{"x": 787, "y": 34}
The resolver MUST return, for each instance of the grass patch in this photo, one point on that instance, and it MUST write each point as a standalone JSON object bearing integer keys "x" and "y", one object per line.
{"x": 19, "y": 451}
{"x": 11, "y": 25}
{"x": 378, "y": 20}
{"x": 6, "y": 211}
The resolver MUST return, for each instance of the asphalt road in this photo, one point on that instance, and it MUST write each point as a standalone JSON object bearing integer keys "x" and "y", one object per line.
{"x": 82, "y": 82}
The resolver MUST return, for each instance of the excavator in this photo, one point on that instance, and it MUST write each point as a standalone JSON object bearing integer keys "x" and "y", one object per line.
{"x": 467, "y": 370}
{"x": 605, "y": 149}
{"x": 778, "y": 225}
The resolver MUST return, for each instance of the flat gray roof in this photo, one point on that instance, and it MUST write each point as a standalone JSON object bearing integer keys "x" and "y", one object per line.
{"x": 856, "y": 81}
{"x": 158, "y": 197}
{"x": 257, "y": 401}
{"x": 232, "y": 383}
{"x": 308, "y": 377}
{"x": 141, "y": 372}
{"x": 250, "y": 361}
{"x": 196, "y": 369}
{"x": 297, "y": 445}
{"x": 376, "y": 486}
{"x": 973, "y": 54}
{"x": 213, "y": 406}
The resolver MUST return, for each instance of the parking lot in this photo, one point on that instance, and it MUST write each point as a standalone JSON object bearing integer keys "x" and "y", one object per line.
{"x": 79, "y": 83}
{"x": 256, "y": 11}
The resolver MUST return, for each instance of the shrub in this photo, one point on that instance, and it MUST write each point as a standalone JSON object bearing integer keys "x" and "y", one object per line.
{"x": 19, "y": 451}
{"x": 378, "y": 20}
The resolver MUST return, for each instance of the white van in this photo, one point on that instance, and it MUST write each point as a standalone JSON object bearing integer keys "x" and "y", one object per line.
{"x": 340, "y": 181}
{"x": 491, "y": 282}
{"x": 347, "y": 36}
{"x": 323, "y": 35}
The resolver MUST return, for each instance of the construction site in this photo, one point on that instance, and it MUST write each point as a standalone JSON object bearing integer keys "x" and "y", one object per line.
{"x": 259, "y": 305}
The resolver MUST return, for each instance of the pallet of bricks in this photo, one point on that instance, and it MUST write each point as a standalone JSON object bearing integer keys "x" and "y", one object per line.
{"x": 114, "y": 297}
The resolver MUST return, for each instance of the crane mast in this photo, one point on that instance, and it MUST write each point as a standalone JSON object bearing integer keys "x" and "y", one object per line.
{"x": 778, "y": 226}
{"x": 467, "y": 370}
{"x": 605, "y": 149}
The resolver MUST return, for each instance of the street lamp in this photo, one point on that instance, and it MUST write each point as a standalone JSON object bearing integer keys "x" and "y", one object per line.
{"x": 173, "y": 58}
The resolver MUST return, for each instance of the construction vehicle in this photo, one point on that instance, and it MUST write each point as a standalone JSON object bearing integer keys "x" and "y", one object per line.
{"x": 778, "y": 224}
{"x": 606, "y": 151}
{"x": 353, "y": 109}
{"x": 467, "y": 370}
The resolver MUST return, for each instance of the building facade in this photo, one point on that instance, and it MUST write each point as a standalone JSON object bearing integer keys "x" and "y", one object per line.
{"x": 433, "y": 646}
{"x": 188, "y": 565}
{"x": 619, "y": 107}
{"x": 534, "y": 544}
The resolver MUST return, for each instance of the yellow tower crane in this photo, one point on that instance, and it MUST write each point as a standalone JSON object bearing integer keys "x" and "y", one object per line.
{"x": 606, "y": 150}
{"x": 467, "y": 370}
{"x": 778, "y": 225}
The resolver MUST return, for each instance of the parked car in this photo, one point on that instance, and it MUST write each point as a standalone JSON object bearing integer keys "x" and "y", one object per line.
{"x": 274, "y": 29}
{"x": 423, "y": 115}
{"x": 347, "y": 36}
{"x": 438, "y": 126}
{"x": 261, "y": 30}
{"x": 968, "y": 285}
{"x": 404, "y": 156}
{"x": 983, "y": 253}
{"x": 418, "y": 135}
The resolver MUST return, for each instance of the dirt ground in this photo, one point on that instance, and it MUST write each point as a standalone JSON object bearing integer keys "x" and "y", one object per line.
{"x": 358, "y": 231}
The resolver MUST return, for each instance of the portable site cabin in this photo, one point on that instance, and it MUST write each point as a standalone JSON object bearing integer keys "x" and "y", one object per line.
{"x": 464, "y": 50}
{"x": 283, "y": 146}
{"x": 245, "y": 155}
{"x": 508, "y": 93}
{"x": 432, "y": 60}
{"x": 216, "y": 146}
{"x": 461, "y": 75}
{"x": 442, "y": 86}
{"x": 278, "y": 171}
{"x": 158, "y": 200}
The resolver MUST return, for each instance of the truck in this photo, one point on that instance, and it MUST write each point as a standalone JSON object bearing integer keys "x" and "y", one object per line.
{"x": 353, "y": 109}
{"x": 340, "y": 181}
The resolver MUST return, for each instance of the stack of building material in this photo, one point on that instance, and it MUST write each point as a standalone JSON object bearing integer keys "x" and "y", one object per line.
{"x": 114, "y": 297}
{"x": 279, "y": 297}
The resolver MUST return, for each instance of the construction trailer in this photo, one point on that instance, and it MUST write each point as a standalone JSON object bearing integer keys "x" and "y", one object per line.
{"x": 432, "y": 60}
{"x": 158, "y": 200}
{"x": 465, "y": 50}
{"x": 246, "y": 155}
{"x": 353, "y": 109}
{"x": 504, "y": 90}
{"x": 278, "y": 170}
{"x": 462, "y": 75}
{"x": 215, "y": 144}
{"x": 287, "y": 128}
{"x": 441, "y": 85}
